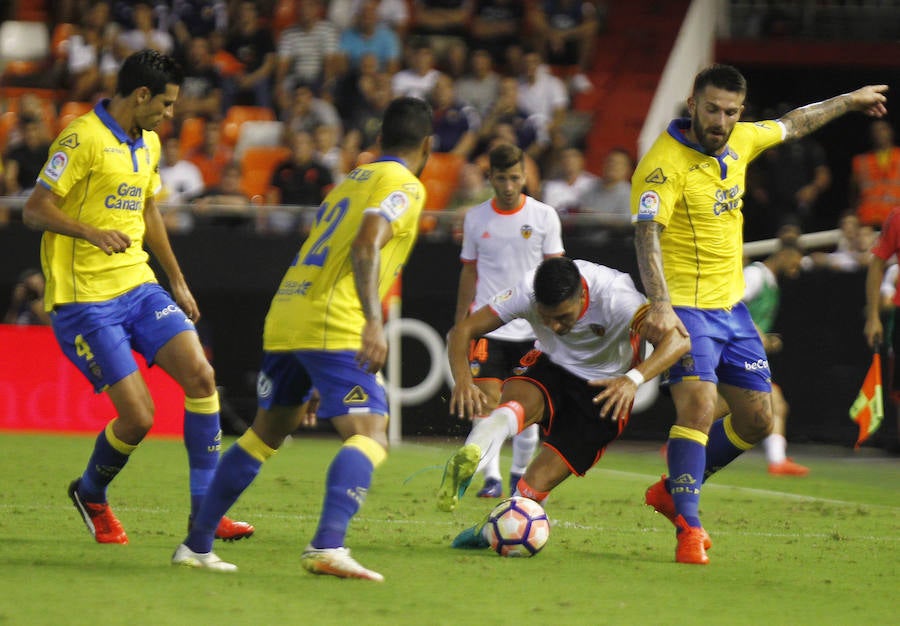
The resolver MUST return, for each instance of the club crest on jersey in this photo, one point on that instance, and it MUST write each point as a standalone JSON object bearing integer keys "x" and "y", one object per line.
{"x": 598, "y": 330}
{"x": 519, "y": 370}
{"x": 687, "y": 363}
{"x": 357, "y": 395}
{"x": 648, "y": 205}
{"x": 475, "y": 368}
{"x": 526, "y": 231}
{"x": 56, "y": 166}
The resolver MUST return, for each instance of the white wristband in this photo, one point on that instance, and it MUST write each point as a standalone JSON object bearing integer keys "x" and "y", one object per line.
{"x": 635, "y": 376}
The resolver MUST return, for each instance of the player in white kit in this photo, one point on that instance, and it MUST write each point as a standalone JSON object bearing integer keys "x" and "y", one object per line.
{"x": 503, "y": 238}
{"x": 579, "y": 384}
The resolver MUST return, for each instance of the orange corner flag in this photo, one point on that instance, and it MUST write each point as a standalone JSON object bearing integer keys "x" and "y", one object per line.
{"x": 868, "y": 409}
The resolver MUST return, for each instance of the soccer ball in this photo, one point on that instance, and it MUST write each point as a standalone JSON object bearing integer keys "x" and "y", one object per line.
{"x": 518, "y": 526}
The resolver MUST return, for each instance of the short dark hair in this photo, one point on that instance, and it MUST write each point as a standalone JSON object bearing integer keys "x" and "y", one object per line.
{"x": 556, "y": 280}
{"x": 504, "y": 156}
{"x": 725, "y": 77}
{"x": 148, "y": 68}
{"x": 407, "y": 122}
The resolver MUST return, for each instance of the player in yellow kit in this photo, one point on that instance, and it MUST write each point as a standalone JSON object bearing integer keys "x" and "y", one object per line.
{"x": 94, "y": 200}
{"x": 324, "y": 330}
{"x": 687, "y": 195}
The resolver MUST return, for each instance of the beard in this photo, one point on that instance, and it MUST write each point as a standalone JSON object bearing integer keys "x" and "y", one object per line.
{"x": 712, "y": 139}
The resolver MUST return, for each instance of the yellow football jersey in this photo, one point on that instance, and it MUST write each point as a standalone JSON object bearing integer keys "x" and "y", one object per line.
{"x": 316, "y": 306}
{"x": 698, "y": 198}
{"x": 104, "y": 178}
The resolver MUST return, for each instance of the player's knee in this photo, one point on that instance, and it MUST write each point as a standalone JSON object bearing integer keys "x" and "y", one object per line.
{"x": 199, "y": 381}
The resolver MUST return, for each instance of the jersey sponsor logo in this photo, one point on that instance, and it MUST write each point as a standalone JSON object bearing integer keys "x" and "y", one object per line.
{"x": 526, "y": 231}
{"x": 648, "y": 205}
{"x": 727, "y": 200}
{"x": 70, "y": 141}
{"x": 294, "y": 288}
{"x": 395, "y": 205}
{"x": 759, "y": 364}
{"x": 503, "y": 296}
{"x": 357, "y": 395}
{"x": 263, "y": 385}
{"x": 127, "y": 198}
{"x": 56, "y": 166}
{"x": 656, "y": 176}
{"x": 114, "y": 150}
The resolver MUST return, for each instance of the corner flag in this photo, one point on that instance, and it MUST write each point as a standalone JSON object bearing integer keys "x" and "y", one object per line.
{"x": 868, "y": 409}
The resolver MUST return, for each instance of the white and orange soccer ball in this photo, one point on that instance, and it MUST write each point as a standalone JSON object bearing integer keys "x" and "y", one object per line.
{"x": 518, "y": 526}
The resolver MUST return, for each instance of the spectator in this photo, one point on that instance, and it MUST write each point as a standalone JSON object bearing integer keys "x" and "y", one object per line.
{"x": 213, "y": 154}
{"x": 473, "y": 189}
{"x": 92, "y": 64}
{"x": 365, "y": 122}
{"x": 307, "y": 52}
{"x": 225, "y": 204}
{"x": 392, "y": 13}
{"x": 571, "y": 193}
{"x": 26, "y": 304}
{"x": 187, "y": 19}
{"x": 854, "y": 247}
{"x": 455, "y": 124}
{"x": 787, "y": 179}
{"x": 441, "y": 23}
{"x": 201, "y": 91}
{"x": 612, "y": 192}
{"x": 25, "y": 158}
{"x": 876, "y": 176}
{"x": 253, "y": 47}
{"x": 326, "y": 140}
{"x": 481, "y": 87}
{"x": 308, "y": 112}
{"x": 567, "y": 30}
{"x": 370, "y": 37}
{"x": 419, "y": 78}
{"x": 506, "y": 111}
{"x": 542, "y": 95}
{"x": 300, "y": 181}
{"x": 144, "y": 34}
{"x": 497, "y": 26}
{"x": 181, "y": 182}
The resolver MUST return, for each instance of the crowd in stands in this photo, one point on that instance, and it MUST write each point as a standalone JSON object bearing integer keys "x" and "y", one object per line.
{"x": 282, "y": 98}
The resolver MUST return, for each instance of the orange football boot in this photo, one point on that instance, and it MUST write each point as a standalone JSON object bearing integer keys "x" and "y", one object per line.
{"x": 658, "y": 496}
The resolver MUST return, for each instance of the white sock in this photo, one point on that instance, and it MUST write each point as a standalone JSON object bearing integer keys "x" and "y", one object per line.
{"x": 524, "y": 444}
{"x": 490, "y": 432}
{"x": 491, "y": 463}
{"x": 776, "y": 448}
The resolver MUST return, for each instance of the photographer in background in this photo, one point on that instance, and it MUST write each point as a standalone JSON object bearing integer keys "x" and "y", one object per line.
{"x": 26, "y": 305}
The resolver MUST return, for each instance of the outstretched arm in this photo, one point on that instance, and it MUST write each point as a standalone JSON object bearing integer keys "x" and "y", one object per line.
{"x": 870, "y": 100}
{"x": 873, "y": 329}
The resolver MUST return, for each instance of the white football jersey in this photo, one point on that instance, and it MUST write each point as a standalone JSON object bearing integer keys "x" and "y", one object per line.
{"x": 505, "y": 245}
{"x": 599, "y": 345}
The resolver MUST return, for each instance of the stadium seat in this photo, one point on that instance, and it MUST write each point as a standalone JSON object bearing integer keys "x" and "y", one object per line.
{"x": 257, "y": 165}
{"x": 46, "y": 99}
{"x": 440, "y": 177}
{"x": 191, "y": 135}
{"x": 258, "y": 133}
{"x": 237, "y": 115}
{"x": 59, "y": 41}
{"x": 69, "y": 111}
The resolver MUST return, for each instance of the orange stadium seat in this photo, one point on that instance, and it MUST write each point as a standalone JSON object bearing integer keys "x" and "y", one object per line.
{"x": 237, "y": 115}
{"x": 440, "y": 177}
{"x": 8, "y": 121}
{"x": 59, "y": 40}
{"x": 257, "y": 165}
{"x": 191, "y": 136}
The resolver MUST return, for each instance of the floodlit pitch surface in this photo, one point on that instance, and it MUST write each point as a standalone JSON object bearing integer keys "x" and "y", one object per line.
{"x": 824, "y": 549}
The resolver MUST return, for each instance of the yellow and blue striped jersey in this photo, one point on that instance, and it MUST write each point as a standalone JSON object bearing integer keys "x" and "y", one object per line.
{"x": 104, "y": 178}
{"x": 698, "y": 198}
{"x": 316, "y": 306}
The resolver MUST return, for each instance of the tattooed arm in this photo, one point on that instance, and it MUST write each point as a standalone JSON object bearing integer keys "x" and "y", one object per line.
{"x": 661, "y": 316}
{"x": 805, "y": 120}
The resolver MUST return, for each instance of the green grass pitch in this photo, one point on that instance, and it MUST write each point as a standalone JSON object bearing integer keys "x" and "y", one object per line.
{"x": 824, "y": 549}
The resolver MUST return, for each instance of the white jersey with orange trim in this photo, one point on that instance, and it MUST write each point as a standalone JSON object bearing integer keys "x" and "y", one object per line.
{"x": 600, "y": 344}
{"x": 505, "y": 245}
